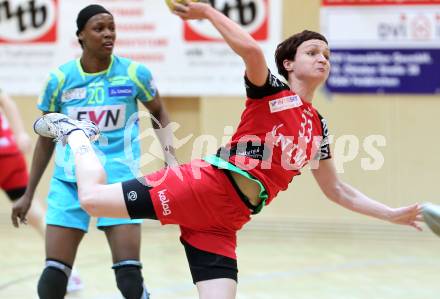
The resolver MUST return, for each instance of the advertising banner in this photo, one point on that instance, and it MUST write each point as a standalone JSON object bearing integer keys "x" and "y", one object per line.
{"x": 186, "y": 58}
{"x": 383, "y": 46}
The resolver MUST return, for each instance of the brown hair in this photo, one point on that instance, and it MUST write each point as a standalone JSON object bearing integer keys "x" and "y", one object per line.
{"x": 287, "y": 48}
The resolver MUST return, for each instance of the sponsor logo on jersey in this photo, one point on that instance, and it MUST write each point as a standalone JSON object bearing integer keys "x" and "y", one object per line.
{"x": 120, "y": 91}
{"x": 107, "y": 118}
{"x": 285, "y": 103}
{"x": 74, "y": 94}
{"x": 164, "y": 201}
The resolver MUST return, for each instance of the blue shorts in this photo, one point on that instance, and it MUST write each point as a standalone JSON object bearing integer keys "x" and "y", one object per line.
{"x": 63, "y": 208}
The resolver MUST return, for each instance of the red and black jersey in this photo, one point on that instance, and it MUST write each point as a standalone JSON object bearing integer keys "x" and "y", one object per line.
{"x": 278, "y": 134}
{"x": 7, "y": 142}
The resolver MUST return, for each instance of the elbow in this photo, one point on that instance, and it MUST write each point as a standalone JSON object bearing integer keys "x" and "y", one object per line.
{"x": 335, "y": 192}
{"x": 253, "y": 51}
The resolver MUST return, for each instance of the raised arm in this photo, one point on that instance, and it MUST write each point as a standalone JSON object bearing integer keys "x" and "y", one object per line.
{"x": 238, "y": 39}
{"x": 352, "y": 199}
{"x": 14, "y": 118}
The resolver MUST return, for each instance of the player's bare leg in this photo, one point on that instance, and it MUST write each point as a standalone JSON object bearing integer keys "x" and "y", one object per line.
{"x": 222, "y": 288}
{"x": 96, "y": 198}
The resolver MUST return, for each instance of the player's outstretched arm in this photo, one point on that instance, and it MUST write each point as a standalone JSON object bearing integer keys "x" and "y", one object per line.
{"x": 238, "y": 39}
{"x": 352, "y": 199}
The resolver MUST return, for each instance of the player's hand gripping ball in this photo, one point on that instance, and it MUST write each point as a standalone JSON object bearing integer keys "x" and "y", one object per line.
{"x": 171, "y": 6}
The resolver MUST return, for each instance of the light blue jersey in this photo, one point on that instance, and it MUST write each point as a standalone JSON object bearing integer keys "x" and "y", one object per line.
{"x": 109, "y": 99}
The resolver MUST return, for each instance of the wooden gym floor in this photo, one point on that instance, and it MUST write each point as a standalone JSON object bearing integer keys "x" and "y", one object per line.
{"x": 277, "y": 259}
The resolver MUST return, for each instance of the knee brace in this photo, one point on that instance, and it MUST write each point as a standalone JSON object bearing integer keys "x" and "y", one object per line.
{"x": 53, "y": 280}
{"x": 129, "y": 279}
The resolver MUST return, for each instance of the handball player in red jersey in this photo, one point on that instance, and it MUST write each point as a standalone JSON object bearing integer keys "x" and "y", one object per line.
{"x": 211, "y": 199}
{"x": 14, "y": 143}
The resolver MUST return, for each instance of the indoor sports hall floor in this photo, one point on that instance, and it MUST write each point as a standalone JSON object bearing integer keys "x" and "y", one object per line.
{"x": 282, "y": 260}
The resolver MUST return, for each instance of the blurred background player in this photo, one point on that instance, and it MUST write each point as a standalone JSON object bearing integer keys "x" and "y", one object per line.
{"x": 103, "y": 88}
{"x": 279, "y": 133}
{"x": 14, "y": 143}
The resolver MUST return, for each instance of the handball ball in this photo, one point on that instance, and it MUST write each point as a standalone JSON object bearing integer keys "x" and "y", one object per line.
{"x": 170, "y": 3}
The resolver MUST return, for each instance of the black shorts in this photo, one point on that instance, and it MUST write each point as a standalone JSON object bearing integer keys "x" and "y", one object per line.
{"x": 15, "y": 194}
{"x": 206, "y": 265}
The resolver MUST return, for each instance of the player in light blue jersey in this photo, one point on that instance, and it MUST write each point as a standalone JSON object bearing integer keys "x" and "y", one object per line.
{"x": 105, "y": 89}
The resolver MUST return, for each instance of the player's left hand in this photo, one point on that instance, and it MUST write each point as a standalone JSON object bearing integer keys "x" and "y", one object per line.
{"x": 189, "y": 10}
{"x": 407, "y": 216}
{"x": 20, "y": 210}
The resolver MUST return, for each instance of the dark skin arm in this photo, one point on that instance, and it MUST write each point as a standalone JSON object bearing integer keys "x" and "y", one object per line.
{"x": 42, "y": 155}
{"x": 160, "y": 121}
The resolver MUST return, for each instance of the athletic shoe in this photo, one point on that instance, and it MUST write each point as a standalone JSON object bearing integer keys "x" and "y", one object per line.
{"x": 58, "y": 126}
{"x": 74, "y": 283}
